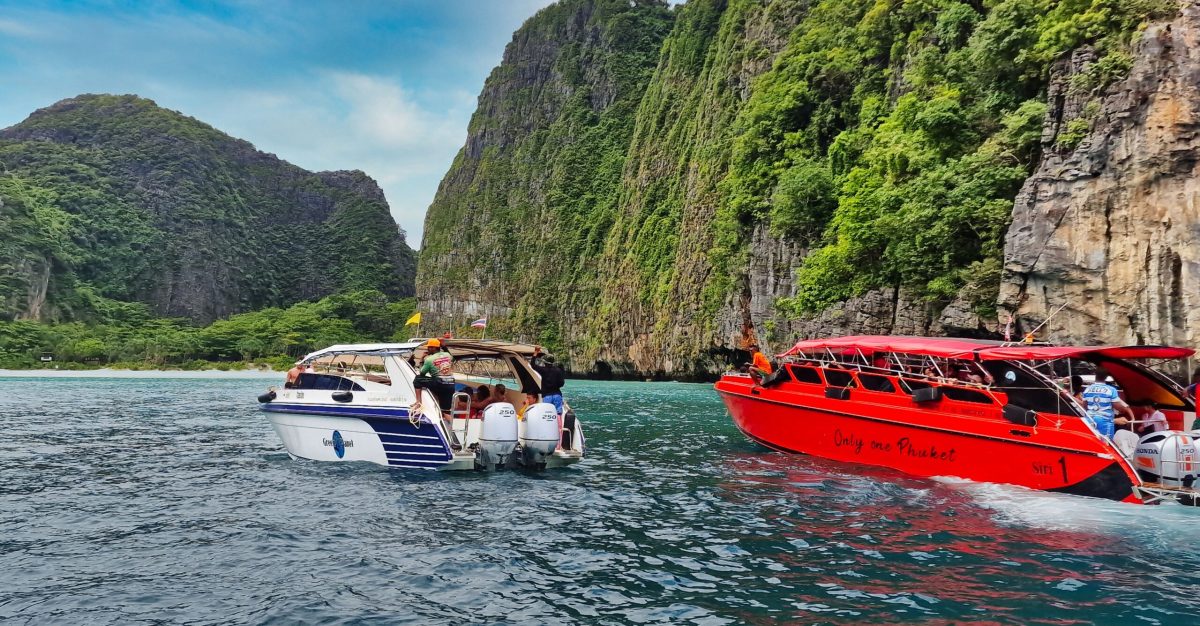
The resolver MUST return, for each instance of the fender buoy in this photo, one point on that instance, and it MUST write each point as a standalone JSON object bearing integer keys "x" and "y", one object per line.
{"x": 267, "y": 397}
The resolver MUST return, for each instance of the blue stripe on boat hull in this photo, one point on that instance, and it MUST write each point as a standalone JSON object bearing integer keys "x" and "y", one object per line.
{"x": 337, "y": 410}
{"x": 392, "y": 432}
{"x": 403, "y": 443}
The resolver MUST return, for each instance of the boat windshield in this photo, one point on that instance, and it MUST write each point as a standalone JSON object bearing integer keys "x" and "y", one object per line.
{"x": 367, "y": 367}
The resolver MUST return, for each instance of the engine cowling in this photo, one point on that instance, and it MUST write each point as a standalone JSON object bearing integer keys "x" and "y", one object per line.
{"x": 1168, "y": 457}
{"x": 498, "y": 434}
{"x": 540, "y": 435}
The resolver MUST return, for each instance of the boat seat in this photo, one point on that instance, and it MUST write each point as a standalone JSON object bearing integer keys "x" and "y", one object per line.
{"x": 837, "y": 393}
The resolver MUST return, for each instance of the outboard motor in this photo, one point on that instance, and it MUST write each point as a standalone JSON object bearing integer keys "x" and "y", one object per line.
{"x": 540, "y": 438}
{"x": 1168, "y": 457}
{"x": 498, "y": 435}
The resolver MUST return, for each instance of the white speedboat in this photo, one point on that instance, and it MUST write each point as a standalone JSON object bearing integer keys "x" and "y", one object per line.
{"x": 365, "y": 402}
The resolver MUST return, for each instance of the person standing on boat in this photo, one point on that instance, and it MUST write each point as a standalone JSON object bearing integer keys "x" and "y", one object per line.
{"x": 1191, "y": 389}
{"x": 293, "y": 375}
{"x": 439, "y": 365}
{"x": 1103, "y": 401}
{"x": 552, "y": 377}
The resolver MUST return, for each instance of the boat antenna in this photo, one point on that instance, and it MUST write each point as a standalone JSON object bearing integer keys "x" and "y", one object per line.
{"x": 1029, "y": 335}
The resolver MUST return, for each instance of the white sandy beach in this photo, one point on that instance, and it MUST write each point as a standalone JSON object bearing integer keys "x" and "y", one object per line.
{"x": 112, "y": 373}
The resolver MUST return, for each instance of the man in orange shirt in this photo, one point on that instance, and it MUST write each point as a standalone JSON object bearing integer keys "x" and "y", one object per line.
{"x": 760, "y": 364}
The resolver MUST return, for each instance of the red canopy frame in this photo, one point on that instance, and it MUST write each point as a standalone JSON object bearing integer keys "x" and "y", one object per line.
{"x": 978, "y": 350}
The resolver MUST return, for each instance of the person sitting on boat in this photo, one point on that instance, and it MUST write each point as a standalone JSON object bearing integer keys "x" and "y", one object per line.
{"x": 500, "y": 393}
{"x": 1152, "y": 420}
{"x": 759, "y": 363}
{"x": 293, "y": 375}
{"x": 1102, "y": 401}
{"x": 530, "y": 400}
{"x": 552, "y": 377}
{"x": 438, "y": 361}
{"x": 483, "y": 397}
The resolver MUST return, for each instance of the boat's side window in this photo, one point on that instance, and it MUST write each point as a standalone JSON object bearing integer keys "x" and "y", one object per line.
{"x": 875, "y": 382}
{"x": 909, "y": 385}
{"x": 804, "y": 374}
{"x": 1026, "y": 391}
{"x": 326, "y": 382}
{"x": 838, "y": 378}
{"x": 966, "y": 395}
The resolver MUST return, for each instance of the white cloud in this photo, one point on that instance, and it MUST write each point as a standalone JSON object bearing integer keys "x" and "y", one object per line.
{"x": 387, "y": 88}
{"x": 344, "y": 120}
{"x": 381, "y": 109}
{"x": 17, "y": 29}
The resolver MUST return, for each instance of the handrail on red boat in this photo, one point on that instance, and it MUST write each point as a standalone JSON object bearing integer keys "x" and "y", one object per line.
{"x": 979, "y": 350}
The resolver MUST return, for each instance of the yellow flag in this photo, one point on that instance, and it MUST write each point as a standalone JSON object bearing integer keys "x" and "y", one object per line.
{"x": 415, "y": 319}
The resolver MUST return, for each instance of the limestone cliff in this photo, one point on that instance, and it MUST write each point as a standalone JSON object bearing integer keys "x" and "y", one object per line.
{"x": 519, "y": 223}
{"x": 114, "y": 198}
{"x": 1110, "y": 227}
{"x": 761, "y": 170}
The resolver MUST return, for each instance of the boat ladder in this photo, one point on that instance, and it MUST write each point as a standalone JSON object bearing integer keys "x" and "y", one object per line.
{"x": 465, "y": 413}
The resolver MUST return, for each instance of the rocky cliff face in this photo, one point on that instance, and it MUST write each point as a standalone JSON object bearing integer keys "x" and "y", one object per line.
{"x": 519, "y": 224}
{"x": 1109, "y": 228}
{"x": 774, "y": 169}
{"x": 112, "y": 197}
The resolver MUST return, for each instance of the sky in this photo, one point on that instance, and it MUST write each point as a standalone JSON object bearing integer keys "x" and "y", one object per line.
{"x": 386, "y": 87}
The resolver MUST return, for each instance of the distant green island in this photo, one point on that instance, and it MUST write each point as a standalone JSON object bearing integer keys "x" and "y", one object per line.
{"x": 134, "y": 236}
{"x": 130, "y": 337}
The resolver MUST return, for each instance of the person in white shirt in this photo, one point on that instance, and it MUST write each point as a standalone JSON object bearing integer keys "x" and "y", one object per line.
{"x": 1152, "y": 420}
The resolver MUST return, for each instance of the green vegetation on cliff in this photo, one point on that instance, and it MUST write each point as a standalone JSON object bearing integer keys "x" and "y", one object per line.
{"x": 112, "y": 199}
{"x": 528, "y": 203}
{"x": 126, "y": 333}
{"x": 809, "y": 149}
{"x": 918, "y": 121}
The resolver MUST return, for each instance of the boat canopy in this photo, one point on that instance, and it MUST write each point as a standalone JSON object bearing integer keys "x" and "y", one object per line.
{"x": 980, "y": 350}
{"x": 365, "y": 348}
{"x": 480, "y": 348}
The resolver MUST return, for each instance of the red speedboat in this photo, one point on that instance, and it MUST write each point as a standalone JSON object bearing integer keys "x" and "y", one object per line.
{"x": 979, "y": 410}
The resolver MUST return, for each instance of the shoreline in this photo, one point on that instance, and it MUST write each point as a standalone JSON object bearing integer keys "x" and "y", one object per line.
{"x": 107, "y": 372}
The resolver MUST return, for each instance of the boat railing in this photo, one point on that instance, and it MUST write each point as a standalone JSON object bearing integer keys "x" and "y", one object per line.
{"x": 464, "y": 412}
{"x": 938, "y": 377}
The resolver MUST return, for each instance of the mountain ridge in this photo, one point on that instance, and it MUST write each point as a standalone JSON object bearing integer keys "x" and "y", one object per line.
{"x": 119, "y": 199}
{"x": 784, "y": 169}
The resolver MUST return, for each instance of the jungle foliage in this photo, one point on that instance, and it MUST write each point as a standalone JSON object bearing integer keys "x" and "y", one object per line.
{"x": 128, "y": 334}
{"x": 891, "y": 136}
{"x": 884, "y": 140}
{"x": 115, "y": 197}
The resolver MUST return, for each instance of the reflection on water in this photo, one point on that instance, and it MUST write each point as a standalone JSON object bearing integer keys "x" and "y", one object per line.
{"x": 172, "y": 500}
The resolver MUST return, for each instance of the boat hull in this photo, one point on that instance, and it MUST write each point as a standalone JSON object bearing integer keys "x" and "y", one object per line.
{"x": 384, "y": 436}
{"x": 924, "y": 443}
{"x": 394, "y": 441}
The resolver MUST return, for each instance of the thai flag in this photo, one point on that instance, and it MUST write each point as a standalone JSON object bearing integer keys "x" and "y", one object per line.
{"x": 479, "y": 323}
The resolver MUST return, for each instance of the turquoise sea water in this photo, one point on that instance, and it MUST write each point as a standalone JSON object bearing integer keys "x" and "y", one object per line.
{"x": 172, "y": 500}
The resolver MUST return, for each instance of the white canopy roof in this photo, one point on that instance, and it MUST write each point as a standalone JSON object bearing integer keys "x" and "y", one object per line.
{"x": 349, "y": 348}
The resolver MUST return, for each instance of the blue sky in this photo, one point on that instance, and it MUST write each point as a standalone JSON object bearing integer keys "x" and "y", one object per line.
{"x": 385, "y": 87}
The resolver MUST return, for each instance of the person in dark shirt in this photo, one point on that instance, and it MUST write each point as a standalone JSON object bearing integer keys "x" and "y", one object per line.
{"x": 552, "y": 377}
